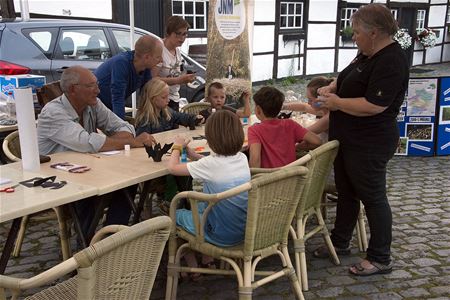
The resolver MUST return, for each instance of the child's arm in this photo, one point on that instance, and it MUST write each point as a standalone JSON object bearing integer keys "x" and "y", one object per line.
{"x": 174, "y": 166}
{"x": 247, "y": 111}
{"x": 320, "y": 125}
{"x": 304, "y": 107}
{"x": 255, "y": 156}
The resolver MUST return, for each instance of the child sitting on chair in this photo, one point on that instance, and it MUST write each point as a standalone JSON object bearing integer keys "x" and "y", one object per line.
{"x": 272, "y": 142}
{"x": 216, "y": 97}
{"x": 154, "y": 114}
{"x": 226, "y": 168}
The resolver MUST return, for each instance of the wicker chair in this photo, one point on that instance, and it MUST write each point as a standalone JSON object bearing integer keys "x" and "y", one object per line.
{"x": 195, "y": 107}
{"x": 48, "y": 92}
{"x": 121, "y": 266}
{"x": 11, "y": 148}
{"x": 319, "y": 162}
{"x": 271, "y": 206}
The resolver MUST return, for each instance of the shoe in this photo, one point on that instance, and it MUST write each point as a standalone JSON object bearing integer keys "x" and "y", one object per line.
{"x": 378, "y": 268}
{"x": 323, "y": 252}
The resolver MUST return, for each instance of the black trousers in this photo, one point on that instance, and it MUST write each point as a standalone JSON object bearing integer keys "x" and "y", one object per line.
{"x": 361, "y": 175}
{"x": 119, "y": 209}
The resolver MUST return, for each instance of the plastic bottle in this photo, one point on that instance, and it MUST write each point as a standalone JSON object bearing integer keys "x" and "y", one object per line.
{"x": 10, "y": 106}
{"x": 183, "y": 158}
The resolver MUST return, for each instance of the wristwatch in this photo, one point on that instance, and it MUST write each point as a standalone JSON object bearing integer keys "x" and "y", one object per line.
{"x": 177, "y": 147}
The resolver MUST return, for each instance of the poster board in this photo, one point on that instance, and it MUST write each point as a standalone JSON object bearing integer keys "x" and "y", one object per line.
{"x": 230, "y": 38}
{"x": 416, "y": 119}
{"x": 443, "y": 120}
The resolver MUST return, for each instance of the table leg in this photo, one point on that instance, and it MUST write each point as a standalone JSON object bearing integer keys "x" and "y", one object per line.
{"x": 9, "y": 244}
{"x": 77, "y": 225}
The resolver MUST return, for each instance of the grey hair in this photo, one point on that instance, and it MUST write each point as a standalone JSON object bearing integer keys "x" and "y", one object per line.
{"x": 69, "y": 77}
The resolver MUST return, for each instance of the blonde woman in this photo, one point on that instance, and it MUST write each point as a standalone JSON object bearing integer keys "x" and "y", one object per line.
{"x": 154, "y": 115}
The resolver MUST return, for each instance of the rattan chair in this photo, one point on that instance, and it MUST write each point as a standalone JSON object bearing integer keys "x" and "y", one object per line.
{"x": 319, "y": 162}
{"x": 121, "y": 266}
{"x": 271, "y": 206}
{"x": 48, "y": 92}
{"x": 11, "y": 148}
{"x": 195, "y": 107}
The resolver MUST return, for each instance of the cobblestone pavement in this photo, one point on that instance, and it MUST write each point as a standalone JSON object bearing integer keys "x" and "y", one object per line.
{"x": 419, "y": 193}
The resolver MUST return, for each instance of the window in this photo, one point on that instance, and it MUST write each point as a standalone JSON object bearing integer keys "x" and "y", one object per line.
{"x": 346, "y": 15}
{"x": 195, "y": 12}
{"x": 84, "y": 44}
{"x": 123, "y": 39}
{"x": 448, "y": 14}
{"x": 420, "y": 23}
{"x": 291, "y": 14}
{"x": 42, "y": 38}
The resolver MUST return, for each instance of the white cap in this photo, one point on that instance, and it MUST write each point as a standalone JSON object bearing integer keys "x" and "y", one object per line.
{"x": 127, "y": 147}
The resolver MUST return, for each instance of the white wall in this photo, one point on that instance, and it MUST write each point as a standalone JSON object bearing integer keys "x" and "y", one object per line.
{"x": 345, "y": 57}
{"x": 262, "y": 67}
{"x": 321, "y": 35}
{"x": 319, "y": 61}
{"x": 322, "y": 10}
{"x": 433, "y": 55}
{"x": 417, "y": 58}
{"x": 438, "y": 1}
{"x": 81, "y": 8}
{"x": 437, "y": 15}
{"x": 290, "y": 47}
{"x": 263, "y": 37}
{"x": 264, "y": 11}
{"x": 290, "y": 67}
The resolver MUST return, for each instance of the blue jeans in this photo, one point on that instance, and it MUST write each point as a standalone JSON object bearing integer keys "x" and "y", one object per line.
{"x": 361, "y": 175}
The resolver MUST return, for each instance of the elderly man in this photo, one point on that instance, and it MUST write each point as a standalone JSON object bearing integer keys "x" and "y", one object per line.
{"x": 70, "y": 122}
{"x": 123, "y": 74}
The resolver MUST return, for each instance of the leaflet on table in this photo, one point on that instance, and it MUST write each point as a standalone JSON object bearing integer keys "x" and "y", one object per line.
{"x": 69, "y": 167}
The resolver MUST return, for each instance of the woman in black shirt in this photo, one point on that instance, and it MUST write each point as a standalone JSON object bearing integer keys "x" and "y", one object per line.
{"x": 364, "y": 103}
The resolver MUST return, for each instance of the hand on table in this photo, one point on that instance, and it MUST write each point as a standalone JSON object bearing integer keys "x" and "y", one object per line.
{"x": 145, "y": 139}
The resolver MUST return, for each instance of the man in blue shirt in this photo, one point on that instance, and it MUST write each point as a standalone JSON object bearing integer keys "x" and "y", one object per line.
{"x": 122, "y": 74}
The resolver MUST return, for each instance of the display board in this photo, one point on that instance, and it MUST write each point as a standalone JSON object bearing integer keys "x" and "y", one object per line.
{"x": 443, "y": 121}
{"x": 416, "y": 120}
{"x": 230, "y": 26}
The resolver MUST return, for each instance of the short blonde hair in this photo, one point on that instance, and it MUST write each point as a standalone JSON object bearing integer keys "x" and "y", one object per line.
{"x": 147, "y": 109}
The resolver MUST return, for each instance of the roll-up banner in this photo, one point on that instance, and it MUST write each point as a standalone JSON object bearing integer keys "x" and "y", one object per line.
{"x": 230, "y": 39}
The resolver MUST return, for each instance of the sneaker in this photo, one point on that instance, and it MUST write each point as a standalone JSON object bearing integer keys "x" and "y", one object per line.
{"x": 323, "y": 252}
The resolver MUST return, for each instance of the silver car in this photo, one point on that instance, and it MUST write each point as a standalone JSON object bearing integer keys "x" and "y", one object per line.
{"x": 48, "y": 46}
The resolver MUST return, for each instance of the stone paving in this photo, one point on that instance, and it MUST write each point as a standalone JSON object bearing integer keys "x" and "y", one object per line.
{"x": 419, "y": 193}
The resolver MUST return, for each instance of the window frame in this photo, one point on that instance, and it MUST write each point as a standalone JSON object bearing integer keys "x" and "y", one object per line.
{"x": 194, "y": 14}
{"x": 294, "y": 15}
{"x": 345, "y": 22}
{"x": 421, "y": 20}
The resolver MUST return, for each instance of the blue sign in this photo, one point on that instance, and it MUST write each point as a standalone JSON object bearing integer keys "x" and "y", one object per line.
{"x": 443, "y": 135}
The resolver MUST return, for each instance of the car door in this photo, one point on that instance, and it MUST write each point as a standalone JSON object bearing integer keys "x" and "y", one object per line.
{"x": 85, "y": 46}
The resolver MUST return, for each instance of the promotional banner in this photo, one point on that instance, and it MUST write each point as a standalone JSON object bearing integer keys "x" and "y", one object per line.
{"x": 443, "y": 122}
{"x": 416, "y": 118}
{"x": 230, "y": 27}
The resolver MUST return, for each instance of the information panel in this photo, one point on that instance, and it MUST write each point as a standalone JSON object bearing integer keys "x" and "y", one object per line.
{"x": 416, "y": 120}
{"x": 443, "y": 122}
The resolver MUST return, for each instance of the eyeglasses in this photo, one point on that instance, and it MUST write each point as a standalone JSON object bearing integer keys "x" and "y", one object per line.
{"x": 88, "y": 85}
{"x": 181, "y": 34}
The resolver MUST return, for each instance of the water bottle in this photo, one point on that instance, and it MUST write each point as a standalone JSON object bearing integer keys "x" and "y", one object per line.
{"x": 244, "y": 120}
{"x": 10, "y": 106}
{"x": 183, "y": 158}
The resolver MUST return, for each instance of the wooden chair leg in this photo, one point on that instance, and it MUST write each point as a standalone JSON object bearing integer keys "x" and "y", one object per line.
{"x": 64, "y": 234}
{"x": 20, "y": 236}
{"x": 361, "y": 231}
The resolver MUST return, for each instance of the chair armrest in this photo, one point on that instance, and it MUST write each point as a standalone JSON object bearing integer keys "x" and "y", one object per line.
{"x": 254, "y": 171}
{"x": 196, "y": 197}
{"x": 105, "y": 231}
{"x": 43, "y": 278}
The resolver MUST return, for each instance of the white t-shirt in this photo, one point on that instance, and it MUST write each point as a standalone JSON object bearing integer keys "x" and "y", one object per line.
{"x": 170, "y": 67}
{"x": 225, "y": 225}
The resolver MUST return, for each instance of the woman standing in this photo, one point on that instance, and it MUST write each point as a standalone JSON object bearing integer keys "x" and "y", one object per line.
{"x": 364, "y": 103}
{"x": 170, "y": 69}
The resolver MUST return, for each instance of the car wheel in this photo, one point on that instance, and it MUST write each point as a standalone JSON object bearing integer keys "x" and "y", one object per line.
{"x": 198, "y": 97}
